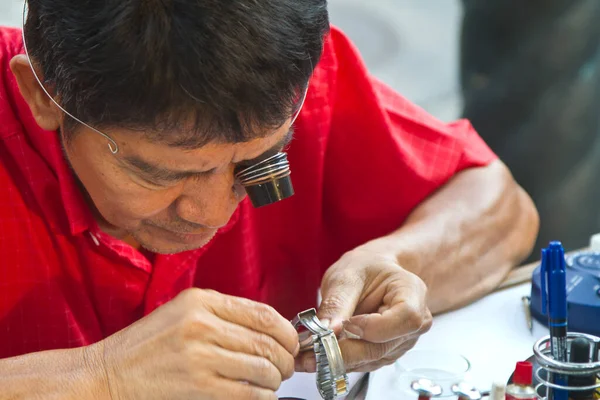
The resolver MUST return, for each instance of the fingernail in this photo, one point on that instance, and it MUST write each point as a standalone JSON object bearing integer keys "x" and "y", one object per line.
{"x": 350, "y": 335}
{"x": 352, "y": 331}
{"x": 336, "y": 324}
{"x": 296, "y": 350}
{"x": 310, "y": 364}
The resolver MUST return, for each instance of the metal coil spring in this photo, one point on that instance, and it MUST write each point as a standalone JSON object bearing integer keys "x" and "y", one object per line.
{"x": 549, "y": 365}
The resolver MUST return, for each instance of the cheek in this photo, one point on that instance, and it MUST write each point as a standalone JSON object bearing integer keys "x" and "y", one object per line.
{"x": 120, "y": 200}
{"x": 134, "y": 203}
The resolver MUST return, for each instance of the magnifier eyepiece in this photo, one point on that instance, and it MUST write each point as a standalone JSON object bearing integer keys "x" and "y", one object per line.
{"x": 268, "y": 181}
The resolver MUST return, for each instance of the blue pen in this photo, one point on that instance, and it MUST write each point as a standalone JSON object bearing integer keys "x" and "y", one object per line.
{"x": 555, "y": 305}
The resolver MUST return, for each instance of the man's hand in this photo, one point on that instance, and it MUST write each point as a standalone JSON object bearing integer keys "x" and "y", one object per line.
{"x": 377, "y": 308}
{"x": 201, "y": 345}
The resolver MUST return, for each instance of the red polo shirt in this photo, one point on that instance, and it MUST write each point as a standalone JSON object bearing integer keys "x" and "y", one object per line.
{"x": 362, "y": 159}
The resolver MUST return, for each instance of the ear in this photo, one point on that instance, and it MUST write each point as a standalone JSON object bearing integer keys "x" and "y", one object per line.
{"x": 45, "y": 112}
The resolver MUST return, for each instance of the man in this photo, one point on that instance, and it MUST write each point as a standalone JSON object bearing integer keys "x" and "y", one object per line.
{"x": 107, "y": 219}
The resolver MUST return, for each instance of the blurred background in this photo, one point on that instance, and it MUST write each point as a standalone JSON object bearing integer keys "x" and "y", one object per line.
{"x": 526, "y": 73}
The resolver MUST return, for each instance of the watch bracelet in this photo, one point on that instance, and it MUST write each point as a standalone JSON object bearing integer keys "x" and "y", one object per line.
{"x": 328, "y": 388}
{"x": 315, "y": 340}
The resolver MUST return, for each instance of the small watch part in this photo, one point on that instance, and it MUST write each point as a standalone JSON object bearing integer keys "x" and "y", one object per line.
{"x": 332, "y": 380}
{"x": 426, "y": 388}
{"x": 466, "y": 391}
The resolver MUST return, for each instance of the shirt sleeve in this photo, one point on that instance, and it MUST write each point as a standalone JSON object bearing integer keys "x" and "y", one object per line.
{"x": 384, "y": 155}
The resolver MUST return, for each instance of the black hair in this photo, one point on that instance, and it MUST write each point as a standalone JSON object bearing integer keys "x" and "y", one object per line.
{"x": 209, "y": 70}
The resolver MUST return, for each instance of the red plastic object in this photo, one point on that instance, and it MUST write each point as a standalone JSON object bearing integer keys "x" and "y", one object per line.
{"x": 523, "y": 375}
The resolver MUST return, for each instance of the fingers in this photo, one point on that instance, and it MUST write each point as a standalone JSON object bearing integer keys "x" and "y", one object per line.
{"x": 387, "y": 360}
{"x": 341, "y": 293}
{"x": 361, "y": 356}
{"x": 244, "y": 367}
{"x": 252, "y": 315}
{"x": 359, "y": 352}
{"x": 374, "y": 366}
{"x": 243, "y": 340}
{"x": 406, "y": 314}
{"x": 392, "y": 324}
{"x": 226, "y": 389}
{"x": 306, "y": 362}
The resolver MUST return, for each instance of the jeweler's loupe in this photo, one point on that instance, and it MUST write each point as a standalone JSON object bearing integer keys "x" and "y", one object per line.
{"x": 268, "y": 181}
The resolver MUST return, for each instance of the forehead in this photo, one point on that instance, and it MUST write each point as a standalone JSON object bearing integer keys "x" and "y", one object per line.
{"x": 210, "y": 155}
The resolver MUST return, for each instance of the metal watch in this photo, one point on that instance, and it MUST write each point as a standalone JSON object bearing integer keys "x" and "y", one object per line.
{"x": 332, "y": 380}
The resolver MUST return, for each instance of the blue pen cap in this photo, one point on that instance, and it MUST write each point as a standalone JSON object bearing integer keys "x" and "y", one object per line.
{"x": 554, "y": 282}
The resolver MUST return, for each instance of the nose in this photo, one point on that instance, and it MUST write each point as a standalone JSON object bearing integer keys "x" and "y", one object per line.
{"x": 211, "y": 200}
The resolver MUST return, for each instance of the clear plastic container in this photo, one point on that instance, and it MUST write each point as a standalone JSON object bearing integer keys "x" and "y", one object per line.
{"x": 443, "y": 367}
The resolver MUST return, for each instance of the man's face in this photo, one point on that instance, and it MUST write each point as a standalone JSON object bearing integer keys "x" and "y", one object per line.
{"x": 168, "y": 199}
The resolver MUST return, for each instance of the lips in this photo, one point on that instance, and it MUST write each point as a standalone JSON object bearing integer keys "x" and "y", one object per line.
{"x": 187, "y": 238}
{"x": 192, "y": 238}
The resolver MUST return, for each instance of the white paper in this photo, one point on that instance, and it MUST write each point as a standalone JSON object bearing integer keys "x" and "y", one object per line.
{"x": 304, "y": 386}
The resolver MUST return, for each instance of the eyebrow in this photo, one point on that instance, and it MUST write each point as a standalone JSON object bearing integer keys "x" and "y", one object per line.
{"x": 271, "y": 152}
{"x": 165, "y": 175}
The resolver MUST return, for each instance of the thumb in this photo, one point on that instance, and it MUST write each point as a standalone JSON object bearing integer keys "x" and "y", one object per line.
{"x": 340, "y": 296}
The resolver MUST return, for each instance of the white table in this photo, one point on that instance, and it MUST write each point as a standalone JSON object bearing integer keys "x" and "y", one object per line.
{"x": 491, "y": 333}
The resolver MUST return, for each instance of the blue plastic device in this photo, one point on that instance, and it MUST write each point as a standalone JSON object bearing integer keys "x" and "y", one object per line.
{"x": 583, "y": 293}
